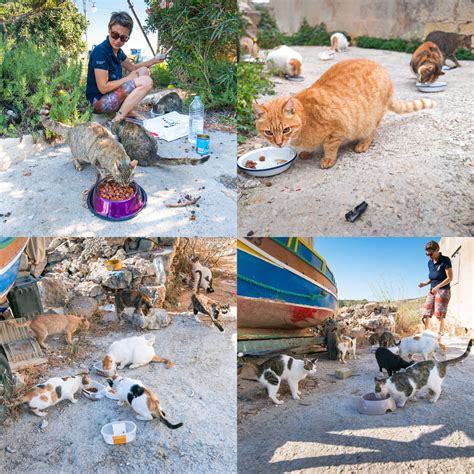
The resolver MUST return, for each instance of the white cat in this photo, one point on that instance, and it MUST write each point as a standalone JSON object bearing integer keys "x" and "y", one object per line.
{"x": 284, "y": 60}
{"x": 424, "y": 345}
{"x": 135, "y": 351}
{"x": 345, "y": 345}
{"x": 202, "y": 276}
{"x": 283, "y": 367}
{"x": 53, "y": 391}
{"x": 141, "y": 399}
{"x": 339, "y": 42}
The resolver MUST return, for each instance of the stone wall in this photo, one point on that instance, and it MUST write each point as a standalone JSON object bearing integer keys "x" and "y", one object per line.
{"x": 378, "y": 18}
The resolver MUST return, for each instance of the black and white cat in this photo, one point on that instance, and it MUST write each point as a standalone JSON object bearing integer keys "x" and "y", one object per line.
{"x": 202, "y": 276}
{"x": 204, "y": 305}
{"x": 283, "y": 367}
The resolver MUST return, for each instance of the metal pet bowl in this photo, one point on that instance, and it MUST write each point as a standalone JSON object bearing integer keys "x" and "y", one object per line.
{"x": 369, "y": 404}
{"x": 116, "y": 210}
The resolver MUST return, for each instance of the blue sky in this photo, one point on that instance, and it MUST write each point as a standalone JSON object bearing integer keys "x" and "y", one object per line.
{"x": 98, "y": 22}
{"x": 376, "y": 268}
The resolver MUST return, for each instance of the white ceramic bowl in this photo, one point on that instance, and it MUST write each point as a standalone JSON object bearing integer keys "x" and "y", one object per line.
{"x": 124, "y": 436}
{"x": 276, "y": 161}
{"x": 100, "y": 393}
{"x": 101, "y": 371}
{"x": 437, "y": 86}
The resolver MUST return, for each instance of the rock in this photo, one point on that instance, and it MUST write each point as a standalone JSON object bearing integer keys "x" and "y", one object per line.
{"x": 108, "y": 318}
{"x": 101, "y": 247}
{"x": 359, "y": 313}
{"x": 148, "y": 281}
{"x": 135, "y": 318}
{"x": 369, "y": 307}
{"x": 55, "y": 290}
{"x": 139, "y": 267}
{"x": 158, "y": 319}
{"x": 120, "y": 279}
{"x": 343, "y": 373}
{"x": 82, "y": 306}
{"x": 156, "y": 293}
{"x": 160, "y": 272}
{"x": 89, "y": 288}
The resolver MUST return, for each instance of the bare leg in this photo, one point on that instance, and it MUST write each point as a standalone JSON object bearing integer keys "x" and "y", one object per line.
{"x": 441, "y": 326}
{"x": 330, "y": 152}
{"x": 144, "y": 85}
{"x": 426, "y": 322}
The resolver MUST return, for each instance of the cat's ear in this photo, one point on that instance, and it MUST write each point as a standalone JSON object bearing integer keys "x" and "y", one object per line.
{"x": 259, "y": 110}
{"x": 134, "y": 163}
{"x": 289, "y": 107}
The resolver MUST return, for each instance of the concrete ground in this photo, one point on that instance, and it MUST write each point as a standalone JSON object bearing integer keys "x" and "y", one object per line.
{"x": 42, "y": 195}
{"x": 323, "y": 432}
{"x": 415, "y": 176}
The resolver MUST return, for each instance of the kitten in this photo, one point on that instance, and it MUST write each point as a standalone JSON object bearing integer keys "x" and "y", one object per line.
{"x": 427, "y": 62}
{"x": 53, "y": 391}
{"x": 391, "y": 362}
{"x": 424, "y": 345}
{"x": 284, "y": 60}
{"x": 142, "y": 147}
{"x": 45, "y": 325}
{"x": 202, "y": 276}
{"x": 448, "y": 43}
{"x": 387, "y": 339}
{"x": 205, "y": 305}
{"x": 93, "y": 144}
{"x": 135, "y": 351}
{"x": 329, "y": 113}
{"x": 339, "y": 42}
{"x": 132, "y": 299}
{"x": 283, "y": 367}
{"x": 141, "y": 399}
{"x": 422, "y": 375}
{"x": 345, "y": 345}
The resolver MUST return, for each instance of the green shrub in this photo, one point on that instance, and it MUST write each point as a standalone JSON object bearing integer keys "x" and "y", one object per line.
{"x": 203, "y": 34}
{"x": 310, "y": 35}
{"x": 395, "y": 44}
{"x": 250, "y": 83}
{"x": 465, "y": 55}
{"x": 32, "y": 76}
{"x": 160, "y": 75}
{"x": 268, "y": 34}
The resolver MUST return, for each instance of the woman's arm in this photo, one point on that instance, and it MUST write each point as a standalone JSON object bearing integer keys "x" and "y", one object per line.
{"x": 424, "y": 283}
{"x": 105, "y": 86}
{"x": 448, "y": 279}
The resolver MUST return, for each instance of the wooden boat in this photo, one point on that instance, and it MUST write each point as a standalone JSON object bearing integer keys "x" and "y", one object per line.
{"x": 11, "y": 249}
{"x": 282, "y": 283}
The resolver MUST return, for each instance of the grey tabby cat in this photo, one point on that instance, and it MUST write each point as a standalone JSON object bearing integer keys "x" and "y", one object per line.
{"x": 93, "y": 144}
{"x": 448, "y": 43}
{"x": 142, "y": 147}
{"x": 427, "y": 374}
{"x": 387, "y": 339}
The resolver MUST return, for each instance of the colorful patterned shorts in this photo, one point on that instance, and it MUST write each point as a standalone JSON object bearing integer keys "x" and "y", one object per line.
{"x": 111, "y": 102}
{"x": 437, "y": 305}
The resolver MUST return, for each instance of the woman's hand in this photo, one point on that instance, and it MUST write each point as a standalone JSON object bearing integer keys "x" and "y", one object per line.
{"x": 161, "y": 56}
{"x": 422, "y": 284}
{"x": 434, "y": 290}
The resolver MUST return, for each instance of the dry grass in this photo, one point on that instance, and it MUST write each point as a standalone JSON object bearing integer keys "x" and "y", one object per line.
{"x": 408, "y": 316}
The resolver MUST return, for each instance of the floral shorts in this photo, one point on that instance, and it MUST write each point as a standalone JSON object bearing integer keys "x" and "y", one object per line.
{"x": 437, "y": 305}
{"x": 111, "y": 102}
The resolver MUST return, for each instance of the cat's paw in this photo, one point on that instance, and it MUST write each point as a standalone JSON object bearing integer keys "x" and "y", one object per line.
{"x": 361, "y": 147}
{"x": 296, "y": 397}
{"x": 327, "y": 163}
{"x": 278, "y": 402}
{"x": 73, "y": 400}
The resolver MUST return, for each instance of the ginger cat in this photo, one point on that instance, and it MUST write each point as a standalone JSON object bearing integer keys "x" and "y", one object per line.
{"x": 345, "y": 104}
{"x": 45, "y": 325}
{"x": 427, "y": 62}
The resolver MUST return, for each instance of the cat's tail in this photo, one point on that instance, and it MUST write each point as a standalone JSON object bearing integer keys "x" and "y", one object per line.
{"x": 56, "y": 127}
{"x": 460, "y": 358}
{"x": 17, "y": 324}
{"x": 406, "y": 106}
{"x": 162, "y": 160}
{"x": 253, "y": 366}
{"x": 157, "y": 412}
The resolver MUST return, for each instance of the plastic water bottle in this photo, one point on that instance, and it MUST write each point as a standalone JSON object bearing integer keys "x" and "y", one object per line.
{"x": 196, "y": 119}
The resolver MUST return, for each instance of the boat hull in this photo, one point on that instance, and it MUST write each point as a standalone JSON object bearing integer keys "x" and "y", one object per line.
{"x": 10, "y": 257}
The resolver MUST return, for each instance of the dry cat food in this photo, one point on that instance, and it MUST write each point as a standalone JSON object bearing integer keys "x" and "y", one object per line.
{"x": 115, "y": 192}
{"x": 250, "y": 164}
{"x": 92, "y": 389}
{"x": 261, "y": 158}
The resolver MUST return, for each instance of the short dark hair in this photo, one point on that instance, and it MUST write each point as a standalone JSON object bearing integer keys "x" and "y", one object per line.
{"x": 432, "y": 246}
{"x": 122, "y": 19}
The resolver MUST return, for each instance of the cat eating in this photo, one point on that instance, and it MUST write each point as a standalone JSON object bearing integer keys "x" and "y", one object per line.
{"x": 329, "y": 113}
{"x": 284, "y": 60}
{"x": 143, "y": 401}
{"x": 339, "y": 42}
{"x": 53, "y": 391}
{"x": 426, "y": 375}
{"x": 427, "y": 62}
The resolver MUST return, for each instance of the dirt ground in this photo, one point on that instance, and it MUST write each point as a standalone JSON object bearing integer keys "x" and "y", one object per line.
{"x": 415, "y": 176}
{"x": 199, "y": 390}
{"x": 323, "y": 432}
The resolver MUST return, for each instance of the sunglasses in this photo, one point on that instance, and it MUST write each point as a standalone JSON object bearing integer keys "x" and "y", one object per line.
{"x": 116, "y": 36}
{"x": 429, "y": 254}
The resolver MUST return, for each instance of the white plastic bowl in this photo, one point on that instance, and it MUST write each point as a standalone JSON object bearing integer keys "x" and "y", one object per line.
{"x": 437, "y": 86}
{"x": 369, "y": 404}
{"x": 124, "y": 436}
{"x": 101, "y": 371}
{"x": 94, "y": 395}
{"x": 269, "y": 167}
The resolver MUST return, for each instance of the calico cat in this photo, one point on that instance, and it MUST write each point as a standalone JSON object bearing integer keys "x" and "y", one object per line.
{"x": 427, "y": 62}
{"x": 141, "y": 146}
{"x": 284, "y": 60}
{"x": 141, "y": 399}
{"x": 135, "y": 351}
{"x": 448, "y": 43}
{"x": 93, "y": 144}
{"x": 202, "y": 276}
{"x": 390, "y": 362}
{"x": 205, "y": 305}
{"x": 132, "y": 299}
{"x": 345, "y": 345}
{"x": 249, "y": 46}
{"x": 428, "y": 375}
{"x": 387, "y": 339}
{"x": 424, "y": 345}
{"x": 53, "y": 391}
{"x": 45, "y": 325}
{"x": 283, "y": 367}
{"x": 339, "y": 42}
{"x": 330, "y": 113}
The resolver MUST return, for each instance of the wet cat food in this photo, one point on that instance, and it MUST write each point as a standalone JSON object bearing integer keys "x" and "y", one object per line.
{"x": 92, "y": 389}
{"x": 261, "y": 158}
{"x": 250, "y": 164}
{"x": 115, "y": 192}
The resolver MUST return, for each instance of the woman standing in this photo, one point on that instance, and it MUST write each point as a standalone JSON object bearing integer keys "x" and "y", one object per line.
{"x": 440, "y": 276}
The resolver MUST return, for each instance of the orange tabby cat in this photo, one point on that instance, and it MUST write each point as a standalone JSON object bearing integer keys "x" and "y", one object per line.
{"x": 45, "y": 325}
{"x": 427, "y": 62}
{"x": 345, "y": 104}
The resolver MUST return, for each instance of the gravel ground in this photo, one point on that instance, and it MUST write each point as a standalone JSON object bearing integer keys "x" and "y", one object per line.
{"x": 323, "y": 432}
{"x": 198, "y": 390}
{"x": 415, "y": 176}
{"x": 43, "y": 195}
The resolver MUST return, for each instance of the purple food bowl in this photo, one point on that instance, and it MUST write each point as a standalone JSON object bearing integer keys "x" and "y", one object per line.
{"x": 116, "y": 210}
{"x": 369, "y": 404}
